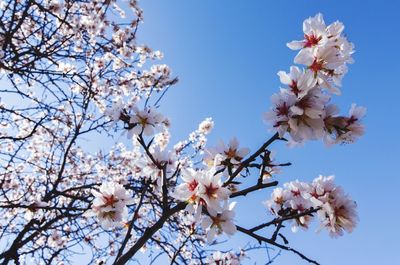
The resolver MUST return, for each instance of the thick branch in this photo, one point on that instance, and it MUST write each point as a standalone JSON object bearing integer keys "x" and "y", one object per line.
{"x": 148, "y": 233}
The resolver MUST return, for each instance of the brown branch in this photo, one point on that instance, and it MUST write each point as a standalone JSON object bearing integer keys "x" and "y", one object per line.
{"x": 250, "y": 159}
{"x": 253, "y": 188}
{"x": 148, "y": 233}
{"x": 285, "y": 218}
{"x": 135, "y": 216}
{"x": 270, "y": 241}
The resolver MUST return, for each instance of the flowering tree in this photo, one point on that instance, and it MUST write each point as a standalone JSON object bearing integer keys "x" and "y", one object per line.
{"x": 74, "y": 71}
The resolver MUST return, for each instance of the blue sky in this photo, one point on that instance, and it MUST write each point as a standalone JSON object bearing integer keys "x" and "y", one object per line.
{"x": 227, "y": 54}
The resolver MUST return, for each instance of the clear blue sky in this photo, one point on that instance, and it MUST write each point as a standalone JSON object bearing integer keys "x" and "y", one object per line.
{"x": 227, "y": 53}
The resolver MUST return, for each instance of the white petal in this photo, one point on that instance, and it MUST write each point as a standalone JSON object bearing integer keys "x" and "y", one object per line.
{"x": 295, "y": 45}
{"x": 229, "y": 227}
{"x": 284, "y": 78}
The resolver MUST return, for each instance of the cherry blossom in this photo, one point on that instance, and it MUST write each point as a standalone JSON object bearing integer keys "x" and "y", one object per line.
{"x": 353, "y": 127}
{"x": 226, "y": 155}
{"x": 279, "y": 115}
{"x": 109, "y": 205}
{"x": 145, "y": 121}
{"x": 227, "y": 258}
{"x": 56, "y": 240}
{"x": 339, "y": 214}
{"x": 315, "y": 33}
{"x": 303, "y": 109}
{"x": 206, "y": 126}
{"x": 188, "y": 190}
{"x": 298, "y": 81}
{"x": 342, "y": 129}
{"x": 335, "y": 210}
{"x": 218, "y": 222}
{"x": 211, "y": 190}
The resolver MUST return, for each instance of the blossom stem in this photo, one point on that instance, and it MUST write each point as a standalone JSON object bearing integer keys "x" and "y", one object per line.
{"x": 270, "y": 241}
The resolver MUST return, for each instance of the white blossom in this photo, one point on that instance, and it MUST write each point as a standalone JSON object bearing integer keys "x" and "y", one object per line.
{"x": 217, "y": 222}
{"x": 226, "y": 155}
{"x": 335, "y": 210}
{"x": 109, "y": 204}
{"x": 146, "y": 121}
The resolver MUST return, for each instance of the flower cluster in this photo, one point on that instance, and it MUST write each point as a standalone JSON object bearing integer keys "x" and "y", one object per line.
{"x": 145, "y": 121}
{"x": 205, "y": 188}
{"x": 197, "y": 139}
{"x": 56, "y": 240}
{"x": 335, "y": 210}
{"x": 151, "y": 168}
{"x": 227, "y": 258}
{"x": 303, "y": 107}
{"x": 202, "y": 187}
{"x": 226, "y": 155}
{"x": 109, "y": 204}
{"x": 218, "y": 222}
